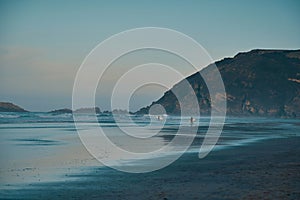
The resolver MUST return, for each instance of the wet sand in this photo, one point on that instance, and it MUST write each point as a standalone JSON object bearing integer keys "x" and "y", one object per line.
{"x": 269, "y": 169}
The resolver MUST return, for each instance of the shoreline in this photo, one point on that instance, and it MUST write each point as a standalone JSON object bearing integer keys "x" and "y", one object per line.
{"x": 268, "y": 169}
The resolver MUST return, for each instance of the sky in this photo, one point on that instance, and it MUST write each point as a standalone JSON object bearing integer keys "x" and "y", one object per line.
{"x": 43, "y": 43}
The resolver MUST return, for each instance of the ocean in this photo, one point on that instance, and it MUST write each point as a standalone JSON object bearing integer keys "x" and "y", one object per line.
{"x": 43, "y": 147}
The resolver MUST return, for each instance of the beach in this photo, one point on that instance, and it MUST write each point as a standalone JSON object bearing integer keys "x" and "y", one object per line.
{"x": 154, "y": 100}
{"x": 255, "y": 158}
{"x": 269, "y": 169}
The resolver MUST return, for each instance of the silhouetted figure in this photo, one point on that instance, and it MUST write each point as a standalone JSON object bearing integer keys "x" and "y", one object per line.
{"x": 192, "y": 120}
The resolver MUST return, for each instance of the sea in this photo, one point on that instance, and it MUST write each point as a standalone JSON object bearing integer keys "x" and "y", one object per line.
{"x": 38, "y": 147}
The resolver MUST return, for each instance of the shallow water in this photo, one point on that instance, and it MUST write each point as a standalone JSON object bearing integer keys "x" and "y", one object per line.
{"x": 43, "y": 147}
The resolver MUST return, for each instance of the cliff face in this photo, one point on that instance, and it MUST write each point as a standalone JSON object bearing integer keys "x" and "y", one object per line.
{"x": 257, "y": 83}
{"x": 9, "y": 107}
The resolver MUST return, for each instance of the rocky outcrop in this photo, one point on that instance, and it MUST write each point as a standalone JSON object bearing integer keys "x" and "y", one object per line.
{"x": 10, "y": 107}
{"x": 88, "y": 110}
{"x": 61, "y": 111}
{"x": 80, "y": 110}
{"x": 257, "y": 83}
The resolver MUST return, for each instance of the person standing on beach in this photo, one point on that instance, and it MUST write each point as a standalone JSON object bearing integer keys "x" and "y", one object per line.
{"x": 192, "y": 120}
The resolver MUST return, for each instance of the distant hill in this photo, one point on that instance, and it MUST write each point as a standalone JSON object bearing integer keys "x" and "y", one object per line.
{"x": 10, "y": 107}
{"x": 257, "y": 83}
{"x": 61, "y": 111}
{"x": 80, "y": 110}
{"x": 88, "y": 110}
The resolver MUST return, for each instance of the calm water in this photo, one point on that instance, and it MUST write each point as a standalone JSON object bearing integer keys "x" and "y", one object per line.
{"x": 43, "y": 147}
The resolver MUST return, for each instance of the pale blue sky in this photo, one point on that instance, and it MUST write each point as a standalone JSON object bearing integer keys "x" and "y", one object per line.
{"x": 42, "y": 44}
